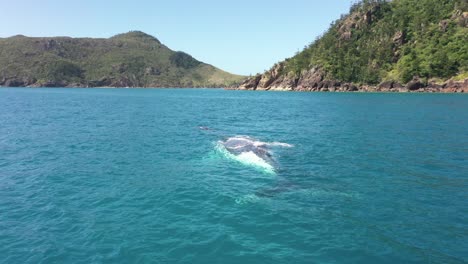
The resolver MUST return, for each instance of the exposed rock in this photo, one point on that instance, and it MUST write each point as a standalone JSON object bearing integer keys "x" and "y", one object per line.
{"x": 357, "y": 20}
{"x": 14, "y": 83}
{"x": 250, "y": 83}
{"x": 352, "y": 88}
{"x": 333, "y": 84}
{"x": 389, "y": 85}
{"x": 461, "y": 18}
{"x": 103, "y": 82}
{"x": 76, "y": 85}
{"x": 285, "y": 83}
{"x": 310, "y": 80}
{"x": 464, "y": 19}
{"x": 347, "y": 26}
{"x": 49, "y": 84}
{"x": 397, "y": 85}
{"x": 314, "y": 80}
{"x": 17, "y": 82}
{"x": 415, "y": 84}
{"x": 452, "y": 86}
{"x": 54, "y": 84}
{"x": 386, "y": 85}
{"x": 433, "y": 85}
{"x": 269, "y": 77}
{"x": 346, "y": 35}
{"x": 443, "y": 25}
{"x": 122, "y": 82}
{"x": 399, "y": 38}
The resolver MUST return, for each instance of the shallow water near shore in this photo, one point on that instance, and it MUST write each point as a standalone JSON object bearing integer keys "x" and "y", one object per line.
{"x": 128, "y": 176}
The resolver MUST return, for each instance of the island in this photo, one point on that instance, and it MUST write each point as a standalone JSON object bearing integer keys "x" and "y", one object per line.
{"x": 133, "y": 59}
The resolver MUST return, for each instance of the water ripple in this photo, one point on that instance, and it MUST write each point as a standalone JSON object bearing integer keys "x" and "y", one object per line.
{"x": 125, "y": 176}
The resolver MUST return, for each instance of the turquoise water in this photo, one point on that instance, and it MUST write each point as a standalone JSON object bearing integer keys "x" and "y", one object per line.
{"x": 128, "y": 176}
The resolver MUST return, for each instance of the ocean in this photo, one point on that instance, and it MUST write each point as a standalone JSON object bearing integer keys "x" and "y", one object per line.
{"x": 216, "y": 176}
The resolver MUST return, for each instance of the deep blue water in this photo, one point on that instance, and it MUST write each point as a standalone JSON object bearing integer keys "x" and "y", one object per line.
{"x": 127, "y": 176}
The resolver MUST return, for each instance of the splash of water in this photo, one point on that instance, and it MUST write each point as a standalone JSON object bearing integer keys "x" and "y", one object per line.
{"x": 250, "y": 152}
{"x": 246, "y": 158}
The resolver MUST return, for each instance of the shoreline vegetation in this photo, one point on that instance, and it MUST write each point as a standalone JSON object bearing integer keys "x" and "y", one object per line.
{"x": 133, "y": 59}
{"x": 388, "y": 46}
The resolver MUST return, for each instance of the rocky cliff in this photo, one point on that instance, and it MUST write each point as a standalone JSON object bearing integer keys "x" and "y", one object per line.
{"x": 314, "y": 80}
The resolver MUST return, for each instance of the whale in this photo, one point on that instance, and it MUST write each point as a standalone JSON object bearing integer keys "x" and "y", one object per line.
{"x": 238, "y": 145}
{"x": 252, "y": 152}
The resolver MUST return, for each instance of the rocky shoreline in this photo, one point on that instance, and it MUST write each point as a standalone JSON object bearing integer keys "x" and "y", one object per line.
{"x": 309, "y": 81}
{"x": 314, "y": 80}
{"x": 102, "y": 83}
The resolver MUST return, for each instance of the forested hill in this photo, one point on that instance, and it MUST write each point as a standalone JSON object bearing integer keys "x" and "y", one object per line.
{"x": 421, "y": 43}
{"x": 133, "y": 59}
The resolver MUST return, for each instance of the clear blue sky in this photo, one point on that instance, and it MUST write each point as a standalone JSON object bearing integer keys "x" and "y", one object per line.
{"x": 239, "y": 36}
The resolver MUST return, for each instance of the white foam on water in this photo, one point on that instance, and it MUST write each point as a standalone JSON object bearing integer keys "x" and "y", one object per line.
{"x": 280, "y": 144}
{"x": 250, "y": 158}
{"x": 247, "y": 158}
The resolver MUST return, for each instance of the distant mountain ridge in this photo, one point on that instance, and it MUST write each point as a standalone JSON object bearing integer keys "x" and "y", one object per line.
{"x": 133, "y": 59}
{"x": 381, "y": 45}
